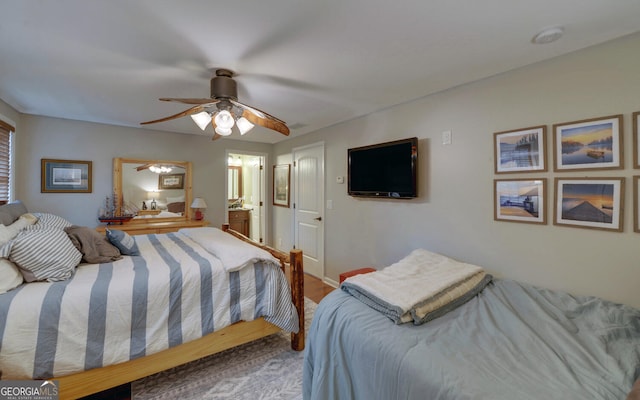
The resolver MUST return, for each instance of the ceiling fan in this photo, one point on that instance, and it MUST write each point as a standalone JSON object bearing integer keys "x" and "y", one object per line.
{"x": 223, "y": 110}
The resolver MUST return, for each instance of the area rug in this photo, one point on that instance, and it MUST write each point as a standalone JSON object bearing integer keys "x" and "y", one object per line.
{"x": 266, "y": 369}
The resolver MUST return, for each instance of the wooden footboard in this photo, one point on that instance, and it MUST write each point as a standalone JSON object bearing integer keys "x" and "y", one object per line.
{"x": 99, "y": 379}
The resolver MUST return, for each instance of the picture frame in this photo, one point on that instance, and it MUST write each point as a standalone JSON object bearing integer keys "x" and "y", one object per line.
{"x": 520, "y": 200}
{"x": 636, "y": 204}
{"x": 521, "y": 150}
{"x": 171, "y": 181}
{"x": 588, "y": 144}
{"x": 281, "y": 184}
{"x": 636, "y": 139}
{"x": 593, "y": 203}
{"x": 65, "y": 176}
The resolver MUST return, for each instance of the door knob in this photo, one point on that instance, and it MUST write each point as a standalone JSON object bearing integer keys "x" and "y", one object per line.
{"x": 318, "y": 219}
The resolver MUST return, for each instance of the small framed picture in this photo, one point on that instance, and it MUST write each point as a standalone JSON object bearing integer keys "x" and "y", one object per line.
{"x": 588, "y": 144}
{"x": 281, "y": 183}
{"x": 171, "y": 181}
{"x": 595, "y": 203}
{"x": 636, "y": 139}
{"x": 65, "y": 176}
{"x": 521, "y": 150}
{"x": 520, "y": 200}
{"x": 636, "y": 204}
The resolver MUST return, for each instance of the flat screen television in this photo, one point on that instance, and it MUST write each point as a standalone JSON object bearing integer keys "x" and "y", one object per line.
{"x": 385, "y": 170}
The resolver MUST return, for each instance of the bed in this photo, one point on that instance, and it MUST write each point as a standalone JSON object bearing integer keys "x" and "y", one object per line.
{"x": 186, "y": 295}
{"x": 509, "y": 341}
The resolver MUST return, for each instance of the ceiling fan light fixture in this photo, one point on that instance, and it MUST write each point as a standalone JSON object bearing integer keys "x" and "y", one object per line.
{"x": 202, "y": 119}
{"x": 224, "y": 120}
{"x": 244, "y": 125}
{"x": 223, "y": 131}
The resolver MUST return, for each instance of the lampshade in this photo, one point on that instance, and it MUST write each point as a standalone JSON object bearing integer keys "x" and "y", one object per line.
{"x": 198, "y": 202}
{"x": 153, "y": 195}
{"x": 202, "y": 119}
{"x": 224, "y": 122}
{"x": 244, "y": 125}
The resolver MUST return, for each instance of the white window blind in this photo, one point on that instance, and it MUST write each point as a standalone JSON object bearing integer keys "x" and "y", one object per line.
{"x": 5, "y": 160}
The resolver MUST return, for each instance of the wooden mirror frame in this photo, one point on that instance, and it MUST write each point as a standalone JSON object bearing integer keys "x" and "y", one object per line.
{"x": 239, "y": 172}
{"x": 188, "y": 197}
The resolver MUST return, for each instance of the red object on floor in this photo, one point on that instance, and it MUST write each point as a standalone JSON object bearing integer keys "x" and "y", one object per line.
{"x": 348, "y": 274}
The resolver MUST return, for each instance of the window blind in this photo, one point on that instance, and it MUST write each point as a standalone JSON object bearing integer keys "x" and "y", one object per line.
{"x": 5, "y": 160}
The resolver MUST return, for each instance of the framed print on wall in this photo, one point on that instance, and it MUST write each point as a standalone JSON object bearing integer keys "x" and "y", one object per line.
{"x": 171, "y": 181}
{"x": 636, "y": 205}
{"x": 520, "y": 200}
{"x": 521, "y": 150}
{"x": 65, "y": 176}
{"x": 595, "y": 203}
{"x": 588, "y": 144}
{"x": 636, "y": 140}
{"x": 281, "y": 182}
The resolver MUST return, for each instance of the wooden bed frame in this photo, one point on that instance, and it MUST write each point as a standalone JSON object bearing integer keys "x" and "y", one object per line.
{"x": 96, "y": 380}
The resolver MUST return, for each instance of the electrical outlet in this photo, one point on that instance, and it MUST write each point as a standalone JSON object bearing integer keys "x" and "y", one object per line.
{"x": 446, "y": 137}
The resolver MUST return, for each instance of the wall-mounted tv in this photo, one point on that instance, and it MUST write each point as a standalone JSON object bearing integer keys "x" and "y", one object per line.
{"x": 386, "y": 170}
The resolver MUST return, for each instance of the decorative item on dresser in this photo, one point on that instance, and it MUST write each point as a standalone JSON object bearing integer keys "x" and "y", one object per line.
{"x": 151, "y": 225}
{"x": 198, "y": 205}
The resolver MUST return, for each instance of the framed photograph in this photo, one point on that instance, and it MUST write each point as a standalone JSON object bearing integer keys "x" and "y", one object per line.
{"x": 636, "y": 204}
{"x": 171, "y": 181}
{"x": 636, "y": 140}
{"x": 65, "y": 176}
{"x": 522, "y": 150}
{"x": 595, "y": 203}
{"x": 589, "y": 144}
{"x": 281, "y": 183}
{"x": 520, "y": 200}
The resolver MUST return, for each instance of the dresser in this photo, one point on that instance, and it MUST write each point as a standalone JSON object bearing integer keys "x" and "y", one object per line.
{"x": 240, "y": 220}
{"x": 146, "y": 227}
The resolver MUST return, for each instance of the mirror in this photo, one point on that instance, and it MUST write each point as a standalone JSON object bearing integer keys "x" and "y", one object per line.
{"x": 235, "y": 183}
{"x": 162, "y": 195}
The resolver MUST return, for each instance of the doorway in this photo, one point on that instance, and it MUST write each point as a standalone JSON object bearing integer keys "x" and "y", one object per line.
{"x": 308, "y": 178}
{"x": 246, "y": 193}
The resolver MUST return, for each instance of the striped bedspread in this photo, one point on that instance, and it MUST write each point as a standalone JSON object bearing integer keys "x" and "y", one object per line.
{"x": 106, "y": 314}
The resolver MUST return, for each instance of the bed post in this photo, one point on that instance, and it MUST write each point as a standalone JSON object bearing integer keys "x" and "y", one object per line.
{"x": 297, "y": 294}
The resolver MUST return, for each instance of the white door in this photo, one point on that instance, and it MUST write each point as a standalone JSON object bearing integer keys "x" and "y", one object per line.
{"x": 257, "y": 177}
{"x": 308, "y": 203}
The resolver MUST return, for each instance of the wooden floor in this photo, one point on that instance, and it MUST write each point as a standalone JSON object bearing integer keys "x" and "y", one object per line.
{"x": 315, "y": 289}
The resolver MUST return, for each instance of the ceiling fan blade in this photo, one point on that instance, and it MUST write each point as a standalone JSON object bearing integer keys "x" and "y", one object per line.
{"x": 259, "y": 117}
{"x": 192, "y": 110}
{"x": 208, "y": 102}
{"x": 142, "y": 167}
{"x": 216, "y": 136}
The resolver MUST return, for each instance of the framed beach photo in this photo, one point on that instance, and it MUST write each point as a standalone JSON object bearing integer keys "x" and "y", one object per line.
{"x": 588, "y": 144}
{"x": 595, "y": 203}
{"x": 521, "y": 150}
{"x": 636, "y": 140}
{"x": 65, "y": 176}
{"x": 171, "y": 181}
{"x": 281, "y": 183}
{"x": 520, "y": 200}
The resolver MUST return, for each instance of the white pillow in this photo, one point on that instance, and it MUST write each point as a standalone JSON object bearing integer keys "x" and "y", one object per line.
{"x": 51, "y": 221}
{"x": 9, "y": 232}
{"x": 10, "y": 276}
{"x": 43, "y": 254}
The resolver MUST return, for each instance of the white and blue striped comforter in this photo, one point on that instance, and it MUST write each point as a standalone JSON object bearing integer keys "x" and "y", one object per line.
{"x": 106, "y": 314}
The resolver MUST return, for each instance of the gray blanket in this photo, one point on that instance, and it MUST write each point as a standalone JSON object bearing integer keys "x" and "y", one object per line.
{"x": 95, "y": 248}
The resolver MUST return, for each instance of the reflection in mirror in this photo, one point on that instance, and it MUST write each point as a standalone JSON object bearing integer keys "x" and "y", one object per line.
{"x": 235, "y": 183}
{"x": 163, "y": 194}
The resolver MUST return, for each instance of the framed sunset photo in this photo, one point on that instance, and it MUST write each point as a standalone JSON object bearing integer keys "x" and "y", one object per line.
{"x": 521, "y": 150}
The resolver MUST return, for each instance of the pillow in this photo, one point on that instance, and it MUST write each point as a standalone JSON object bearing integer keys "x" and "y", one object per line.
{"x": 176, "y": 207}
{"x": 43, "y": 254}
{"x": 179, "y": 199}
{"x": 123, "y": 241}
{"x": 10, "y": 276}
{"x": 51, "y": 221}
{"x": 11, "y": 212}
{"x": 95, "y": 248}
{"x": 9, "y": 232}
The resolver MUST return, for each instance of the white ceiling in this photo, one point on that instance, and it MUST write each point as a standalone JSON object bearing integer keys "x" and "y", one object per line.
{"x": 312, "y": 63}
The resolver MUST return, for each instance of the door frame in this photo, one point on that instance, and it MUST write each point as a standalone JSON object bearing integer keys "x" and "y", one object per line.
{"x": 266, "y": 230}
{"x": 294, "y": 189}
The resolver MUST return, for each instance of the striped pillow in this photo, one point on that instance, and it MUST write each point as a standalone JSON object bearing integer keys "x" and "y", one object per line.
{"x": 51, "y": 221}
{"x": 123, "y": 241}
{"x": 43, "y": 254}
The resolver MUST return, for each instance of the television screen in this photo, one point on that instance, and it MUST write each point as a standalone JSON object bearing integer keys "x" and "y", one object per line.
{"x": 384, "y": 170}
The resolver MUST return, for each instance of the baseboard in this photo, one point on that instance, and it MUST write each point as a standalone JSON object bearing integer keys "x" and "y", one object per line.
{"x": 331, "y": 282}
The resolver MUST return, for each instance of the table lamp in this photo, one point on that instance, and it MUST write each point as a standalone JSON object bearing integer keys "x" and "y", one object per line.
{"x": 198, "y": 204}
{"x": 153, "y": 196}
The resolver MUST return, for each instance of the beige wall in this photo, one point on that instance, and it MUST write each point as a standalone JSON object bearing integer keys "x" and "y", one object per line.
{"x": 454, "y": 212}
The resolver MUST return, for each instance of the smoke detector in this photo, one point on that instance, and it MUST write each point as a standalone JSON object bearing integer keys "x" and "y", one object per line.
{"x": 548, "y": 35}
